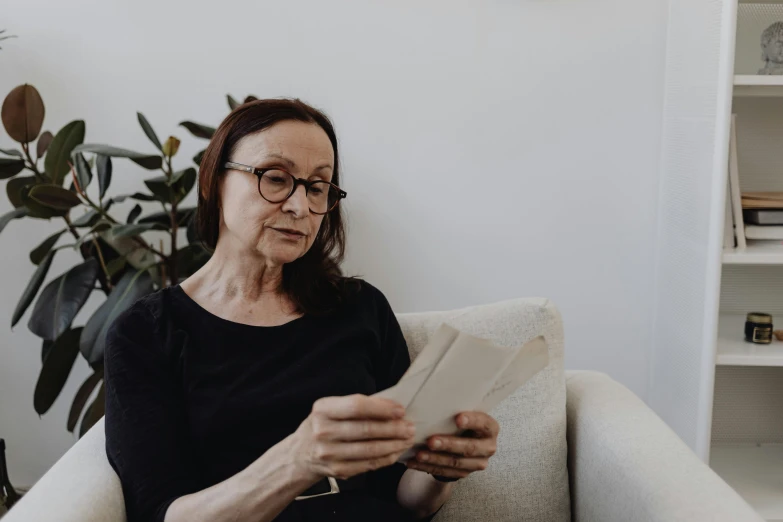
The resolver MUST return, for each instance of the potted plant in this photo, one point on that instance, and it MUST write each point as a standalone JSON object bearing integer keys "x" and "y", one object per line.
{"x": 60, "y": 179}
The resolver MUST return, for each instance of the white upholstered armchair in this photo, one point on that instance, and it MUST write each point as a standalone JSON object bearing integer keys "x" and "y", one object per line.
{"x": 573, "y": 446}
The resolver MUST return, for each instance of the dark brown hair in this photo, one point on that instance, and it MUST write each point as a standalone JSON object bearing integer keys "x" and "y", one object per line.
{"x": 314, "y": 282}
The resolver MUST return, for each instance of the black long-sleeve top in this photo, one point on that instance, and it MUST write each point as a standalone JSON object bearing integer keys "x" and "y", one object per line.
{"x": 192, "y": 399}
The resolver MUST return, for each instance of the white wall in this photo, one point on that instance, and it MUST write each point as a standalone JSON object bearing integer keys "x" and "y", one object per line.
{"x": 492, "y": 148}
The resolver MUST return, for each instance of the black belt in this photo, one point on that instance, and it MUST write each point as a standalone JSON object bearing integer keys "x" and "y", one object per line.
{"x": 332, "y": 486}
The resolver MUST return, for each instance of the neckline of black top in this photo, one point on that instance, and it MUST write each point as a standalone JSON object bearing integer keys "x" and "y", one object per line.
{"x": 178, "y": 293}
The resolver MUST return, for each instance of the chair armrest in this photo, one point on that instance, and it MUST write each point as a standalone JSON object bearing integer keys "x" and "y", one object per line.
{"x": 80, "y": 487}
{"x": 626, "y": 465}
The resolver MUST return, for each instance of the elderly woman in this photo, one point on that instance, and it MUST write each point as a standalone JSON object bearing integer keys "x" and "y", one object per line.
{"x": 245, "y": 393}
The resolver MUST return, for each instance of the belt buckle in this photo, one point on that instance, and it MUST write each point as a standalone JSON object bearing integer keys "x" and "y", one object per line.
{"x": 333, "y": 489}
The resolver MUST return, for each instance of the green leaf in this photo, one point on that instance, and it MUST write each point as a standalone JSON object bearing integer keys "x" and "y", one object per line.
{"x": 12, "y": 152}
{"x": 56, "y": 369}
{"x": 232, "y": 103}
{"x": 44, "y": 140}
{"x": 131, "y": 287}
{"x": 10, "y": 167}
{"x": 55, "y": 197}
{"x": 13, "y": 189}
{"x": 94, "y": 411}
{"x": 184, "y": 183}
{"x": 38, "y": 210}
{"x": 87, "y": 219}
{"x": 104, "y": 174}
{"x": 133, "y": 229}
{"x": 164, "y": 218}
{"x": 23, "y": 113}
{"x": 83, "y": 172}
{"x": 160, "y": 187}
{"x": 148, "y": 161}
{"x": 199, "y": 130}
{"x": 85, "y": 390}
{"x": 32, "y": 288}
{"x": 191, "y": 258}
{"x": 59, "y": 153}
{"x": 134, "y": 213}
{"x": 14, "y": 214}
{"x": 40, "y": 252}
{"x": 46, "y": 349}
{"x": 115, "y": 265}
{"x": 100, "y": 226}
{"x": 138, "y": 196}
{"x": 250, "y": 98}
{"x": 145, "y": 125}
{"x": 61, "y": 300}
{"x": 198, "y": 157}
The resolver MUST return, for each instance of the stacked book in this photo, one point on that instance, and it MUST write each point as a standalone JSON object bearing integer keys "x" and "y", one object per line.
{"x": 762, "y": 213}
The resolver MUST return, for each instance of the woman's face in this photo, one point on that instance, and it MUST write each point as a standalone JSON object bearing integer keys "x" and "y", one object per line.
{"x": 279, "y": 232}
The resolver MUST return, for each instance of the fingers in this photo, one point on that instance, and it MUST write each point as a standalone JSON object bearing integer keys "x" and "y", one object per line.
{"x": 438, "y": 470}
{"x": 326, "y": 429}
{"x": 358, "y": 407}
{"x": 364, "y": 450}
{"x": 450, "y": 460}
{"x": 462, "y": 446}
{"x": 483, "y": 424}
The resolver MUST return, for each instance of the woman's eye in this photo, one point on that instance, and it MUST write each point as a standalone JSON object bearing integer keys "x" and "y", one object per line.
{"x": 315, "y": 189}
{"x": 276, "y": 178}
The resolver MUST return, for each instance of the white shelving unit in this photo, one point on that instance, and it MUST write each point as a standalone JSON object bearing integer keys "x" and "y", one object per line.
{"x": 734, "y": 351}
{"x": 756, "y": 472}
{"x": 756, "y": 253}
{"x": 722, "y": 395}
{"x": 754, "y": 85}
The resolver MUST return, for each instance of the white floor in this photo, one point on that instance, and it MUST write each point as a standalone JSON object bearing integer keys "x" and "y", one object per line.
{"x": 756, "y": 472}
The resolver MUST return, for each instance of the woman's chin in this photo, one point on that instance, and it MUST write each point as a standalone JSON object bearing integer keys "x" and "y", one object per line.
{"x": 282, "y": 255}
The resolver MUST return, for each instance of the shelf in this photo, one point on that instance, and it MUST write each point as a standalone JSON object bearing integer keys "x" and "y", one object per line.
{"x": 758, "y": 85}
{"x": 734, "y": 351}
{"x": 756, "y": 473}
{"x": 756, "y": 253}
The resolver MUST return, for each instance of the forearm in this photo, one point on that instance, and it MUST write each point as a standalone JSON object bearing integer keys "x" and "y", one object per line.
{"x": 256, "y": 494}
{"x": 421, "y": 494}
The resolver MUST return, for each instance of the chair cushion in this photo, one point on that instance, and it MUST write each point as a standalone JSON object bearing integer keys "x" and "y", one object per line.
{"x": 528, "y": 477}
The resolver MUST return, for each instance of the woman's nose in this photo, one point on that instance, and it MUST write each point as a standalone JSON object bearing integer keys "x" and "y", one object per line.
{"x": 297, "y": 203}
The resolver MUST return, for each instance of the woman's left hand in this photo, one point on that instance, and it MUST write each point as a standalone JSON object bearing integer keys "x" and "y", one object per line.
{"x": 459, "y": 456}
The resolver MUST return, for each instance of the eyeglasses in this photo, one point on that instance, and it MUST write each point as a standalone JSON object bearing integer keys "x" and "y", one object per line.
{"x": 276, "y": 185}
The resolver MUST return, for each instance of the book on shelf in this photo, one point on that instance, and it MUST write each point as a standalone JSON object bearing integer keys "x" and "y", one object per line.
{"x": 762, "y": 200}
{"x": 734, "y": 186}
{"x": 758, "y": 216}
{"x": 765, "y": 232}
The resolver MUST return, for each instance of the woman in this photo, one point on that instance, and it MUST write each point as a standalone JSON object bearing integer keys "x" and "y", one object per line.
{"x": 243, "y": 394}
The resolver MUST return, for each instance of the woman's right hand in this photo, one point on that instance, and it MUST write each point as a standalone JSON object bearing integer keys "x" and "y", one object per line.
{"x": 346, "y": 436}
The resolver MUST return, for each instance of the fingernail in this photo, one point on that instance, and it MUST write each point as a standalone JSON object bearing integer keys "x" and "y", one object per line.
{"x": 437, "y": 443}
{"x": 463, "y": 421}
{"x": 410, "y": 430}
{"x": 399, "y": 411}
{"x": 424, "y": 457}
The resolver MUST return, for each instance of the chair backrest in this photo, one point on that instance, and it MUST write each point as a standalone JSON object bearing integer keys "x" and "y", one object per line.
{"x": 528, "y": 477}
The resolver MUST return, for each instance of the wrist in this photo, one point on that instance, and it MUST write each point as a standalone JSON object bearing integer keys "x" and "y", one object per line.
{"x": 297, "y": 475}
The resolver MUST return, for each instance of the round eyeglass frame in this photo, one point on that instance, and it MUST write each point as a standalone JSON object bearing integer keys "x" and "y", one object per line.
{"x": 341, "y": 194}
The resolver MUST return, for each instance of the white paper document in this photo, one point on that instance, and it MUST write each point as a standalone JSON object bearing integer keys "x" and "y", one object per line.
{"x": 457, "y": 372}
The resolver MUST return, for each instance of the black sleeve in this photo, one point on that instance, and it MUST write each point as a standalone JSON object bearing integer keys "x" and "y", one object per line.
{"x": 395, "y": 361}
{"x": 146, "y": 440}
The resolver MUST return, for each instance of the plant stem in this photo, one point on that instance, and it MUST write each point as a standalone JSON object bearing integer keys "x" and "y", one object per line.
{"x": 173, "y": 276}
{"x": 103, "y": 263}
{"x": 71, "y": 227}
{"x": 32, "y": 166}
{"x": 100, "y": 210}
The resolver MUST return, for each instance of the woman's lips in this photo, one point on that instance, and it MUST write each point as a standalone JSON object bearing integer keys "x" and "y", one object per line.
{"x": 289, "y": 232}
